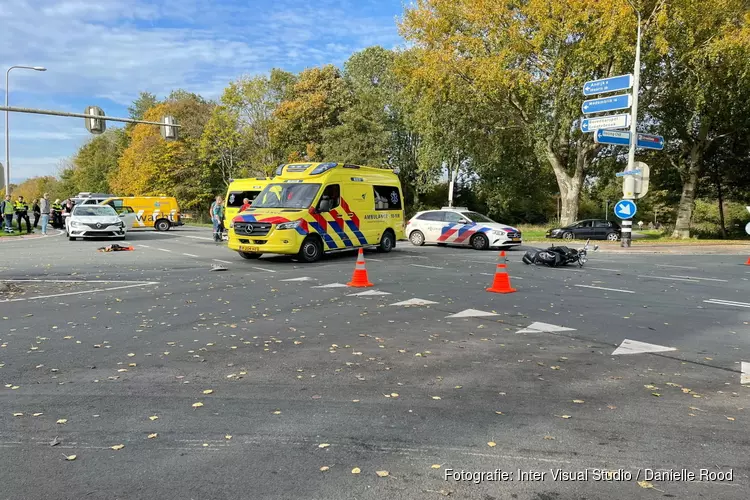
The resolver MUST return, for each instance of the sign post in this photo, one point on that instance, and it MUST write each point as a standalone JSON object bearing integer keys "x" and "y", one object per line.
{"x": 605, "y": 122}
{"x": 626, "y": 239}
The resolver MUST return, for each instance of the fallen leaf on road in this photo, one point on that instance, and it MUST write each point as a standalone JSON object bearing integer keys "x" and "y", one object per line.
{"x": 645, "y": 484}
{"x": 554, "y": 367}
{"x": 18, "y": 414}
{"x": 436, "y": 397}
{"x": 578, "y": 401}
{"x": 356, "y": 470}
{"x": 394, "y": 394}
{"x": 277, "y": 412}
{"x": 324, "y": 468}
{"x": 458, "y": 387}
{"x": 499, "y": 413}
{"x": 382, "y": 473}
{"x": 730, "y": 418}
{"x": 435, "y": 466}
{"x": 228, "y": 437}
{"x": 649, "y": 386}
{"x": 37, "y": 414}
{"x": 208, "y": 391}
{"x": 152, "y": 436}
{"x": 611, "y": 407}
{"x": 62, "y": 420}
{"x": 492, "y": 444}
{"x": 565, "y": 416}
{"x": 131, "y": 354}
{"x": 323, "y": 445}
{"x": 117, "y": 447}
{"x": 153, "y": 417}
{"x": 656, "y": 394}
{"x": 70, "y": 458}
{"x": 197, "y": 405}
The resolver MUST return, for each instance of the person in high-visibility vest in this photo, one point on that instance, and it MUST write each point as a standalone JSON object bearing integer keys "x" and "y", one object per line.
{"x": 57, "y": 222}
{"x": 8, "y": 209}
{"x": 22, "y": 213}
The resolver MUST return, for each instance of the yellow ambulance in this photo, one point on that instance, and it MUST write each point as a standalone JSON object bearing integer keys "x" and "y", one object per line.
{"x": 159, "y": 212}
{"x": 238, "y": 190}
{"x": 309, "y": 209}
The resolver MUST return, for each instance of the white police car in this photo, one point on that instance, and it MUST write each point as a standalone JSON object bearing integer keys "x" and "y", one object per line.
{"x": 459, "y": 226}
{"x": 97, "y": 221}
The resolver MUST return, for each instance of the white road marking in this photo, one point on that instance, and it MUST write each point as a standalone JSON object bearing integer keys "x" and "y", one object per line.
{"x": 164, "y": 250}
{"x": 144, "y": 246}
{"x": 414, "y": 302}
{"x": 471, "y": 313}
{"x": 80, "y": 293}
{"x": 428, "y": 267}
{"x": 745, "y": 375}
{"x": 222, "y": 261}
{"x": 374, "y": 260}
{"x": 668, "y": 278}
{"x": 721, "y": 302}
{"x": 331, "y": 285}
{"x": 368, "y": 293}
{"x": 700, "y": 279}
{"x": 74, "y": 281}
{"x": 190, "y": 255}
{"x": 635, "y": 347}
{"x": 608, "y": 289}
{"x": 263, "y": 269}
{"x": 603, "y": 269}
{"x": 545, "y": 328}
{"x": 198, "y": 237}
{"x": 678, "y": 267}
{"x": 301, "y": 278}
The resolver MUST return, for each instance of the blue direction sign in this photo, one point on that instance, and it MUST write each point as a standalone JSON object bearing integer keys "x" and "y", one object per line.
{"x": 628, "y": 172}
{"x": 614, "y": 137}
{"x": 648, "y": 141}
{"x": 612, "y": 103}
{"x": 625, "y": 209}
{"x": 604, "y": 122}
{"x": 622, "y": 82}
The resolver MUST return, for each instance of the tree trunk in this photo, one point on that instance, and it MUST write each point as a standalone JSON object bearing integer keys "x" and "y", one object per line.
{"x": 569, "y": 185}
{"x": 720, "y": 195}
{"x": 685, "y": 208}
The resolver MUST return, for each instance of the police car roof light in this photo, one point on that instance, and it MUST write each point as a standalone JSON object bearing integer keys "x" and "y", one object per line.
{"x": 454, "y": 208}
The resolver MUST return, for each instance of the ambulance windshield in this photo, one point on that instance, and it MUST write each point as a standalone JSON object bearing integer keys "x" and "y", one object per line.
{"x": 287, "y": 195}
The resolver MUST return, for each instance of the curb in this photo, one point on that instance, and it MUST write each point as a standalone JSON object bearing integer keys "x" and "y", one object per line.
{"x": 35, "y": 236}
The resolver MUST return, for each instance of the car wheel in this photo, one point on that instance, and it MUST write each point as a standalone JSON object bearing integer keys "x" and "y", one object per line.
{"x": 387, "y": 242}
{"x": 311, "y": 250}
{"x": 250, "y": 256}
{"x": 162, "y": 225}
{"x": 417, "y": 238}
{"x": 71, "y": 238}
{"x": 480, "y": 242}
{"x": 568, "y": 235}
{"x": 612, "y": 237}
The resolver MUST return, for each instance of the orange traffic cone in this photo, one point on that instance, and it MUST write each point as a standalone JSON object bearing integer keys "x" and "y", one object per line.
{"x": 748, "y": 262}
{"x": 501, "y": 283}
{"x": 359, "y": 278}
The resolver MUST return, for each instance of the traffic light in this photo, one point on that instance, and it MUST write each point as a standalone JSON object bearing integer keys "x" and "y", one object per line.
{"x": 168, "y": 130}
{"x": 95, "y": 125}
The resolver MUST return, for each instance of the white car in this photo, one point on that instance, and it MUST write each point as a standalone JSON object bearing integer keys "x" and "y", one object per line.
{"x": 460, "y": 226}
{"x": 96, "y": 221}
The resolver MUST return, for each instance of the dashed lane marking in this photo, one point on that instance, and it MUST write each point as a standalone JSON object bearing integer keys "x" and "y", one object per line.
{"x": 96, "y": 290}
{"x": 263, "y": 269}
{"x": 603, "y": 288}
{"x": 222, "y": 261}
{"x": 700, "y": 279}
{"x": 198, "y": 237}
{"x": 331, "y": 285}
{"x": 678, "y": 267}
{"x": 668, "y": 278}
{"x": 301, "y": 278}
{"x": 721, "y": 302}
{"x": 603, "y": 269}
{"x": 190, "y": 255}
{"x": 428, "y": 267}
{"x": 144, "y": 246}
{"x": 164, "y": 250}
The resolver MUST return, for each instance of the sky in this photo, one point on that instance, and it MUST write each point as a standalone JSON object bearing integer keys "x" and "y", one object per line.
{"x": 104, "y": 52}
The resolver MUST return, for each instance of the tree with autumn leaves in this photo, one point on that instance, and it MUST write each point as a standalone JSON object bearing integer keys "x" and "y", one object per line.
{"x": 488, "y": 89}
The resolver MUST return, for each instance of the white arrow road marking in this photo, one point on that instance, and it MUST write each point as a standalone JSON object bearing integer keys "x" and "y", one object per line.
{"x": 545, "y": 328}
{"x": 331, "y": 285}
{"x": 368, "y": 293}
{"x": 745, "y": 375}
{"x": 720, "y": 302}
{"x": 471, "y": 313}
{"x": 414, "y": 302}
{"x": 301, "y": 278}
{"x": 635, "y": 347}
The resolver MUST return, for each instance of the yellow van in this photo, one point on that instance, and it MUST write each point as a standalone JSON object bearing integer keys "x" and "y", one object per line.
{"x": 238, "y": 190}
{"x": 159, "y": 212}
{"x": 313, "y": 208}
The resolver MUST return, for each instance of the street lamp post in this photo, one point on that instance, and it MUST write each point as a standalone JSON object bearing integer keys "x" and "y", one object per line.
{"x": 7, "y": 114}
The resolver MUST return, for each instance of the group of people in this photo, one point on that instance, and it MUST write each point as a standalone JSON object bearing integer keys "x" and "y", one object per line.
{"x": 41, "y": 209}
{"x": 217, "y": 216}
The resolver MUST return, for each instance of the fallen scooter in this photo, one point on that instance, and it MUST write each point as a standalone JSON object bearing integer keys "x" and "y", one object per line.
{"x": 558, "y": 256}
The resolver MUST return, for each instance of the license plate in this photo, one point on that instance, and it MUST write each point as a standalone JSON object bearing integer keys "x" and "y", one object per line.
{"x": 515, "y": 239}
{"x": 245, "y": 248}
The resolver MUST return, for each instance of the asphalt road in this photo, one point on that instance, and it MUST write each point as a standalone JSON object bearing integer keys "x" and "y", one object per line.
{"x": 300, "y": 382}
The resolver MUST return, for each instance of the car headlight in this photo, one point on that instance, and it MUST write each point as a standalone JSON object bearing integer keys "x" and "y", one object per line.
{"x": 75, "y": 224}
{"x": 555, "y": 231}
{"x": 288, "y": 225}
{"x": 231, "y": 225}
{"x": 120, "y": 223}
{"x": 498, "y": 232}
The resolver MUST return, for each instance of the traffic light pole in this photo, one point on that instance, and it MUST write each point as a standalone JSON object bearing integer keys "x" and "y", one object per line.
{"x": 627, "y": 224}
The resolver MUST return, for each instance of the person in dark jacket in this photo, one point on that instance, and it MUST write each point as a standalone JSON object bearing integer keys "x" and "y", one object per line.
{"x": 22, "y": 214}
{"x": 37, "y": 212}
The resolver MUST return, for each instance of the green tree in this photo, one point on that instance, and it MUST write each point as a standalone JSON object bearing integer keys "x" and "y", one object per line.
{"x": 144, "y": 102}
{"x": 221, "y": 143}
{"x": 95, "y": 161}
